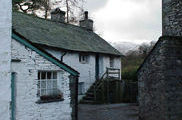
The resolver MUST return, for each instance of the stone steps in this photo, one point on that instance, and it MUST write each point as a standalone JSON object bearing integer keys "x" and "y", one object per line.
{"x": 89, "y": 98}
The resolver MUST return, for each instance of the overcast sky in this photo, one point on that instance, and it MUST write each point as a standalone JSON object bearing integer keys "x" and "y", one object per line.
{"x": 134, "y": 21}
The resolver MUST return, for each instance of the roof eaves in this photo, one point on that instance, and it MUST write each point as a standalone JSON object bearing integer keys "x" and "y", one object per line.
{"x": 63, "y": 49}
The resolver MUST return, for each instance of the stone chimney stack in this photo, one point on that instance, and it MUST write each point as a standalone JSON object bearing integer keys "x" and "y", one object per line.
{"x": 172, "y": 17}
{"x": 58, "y": 15}
{"x": 86, "y": 23}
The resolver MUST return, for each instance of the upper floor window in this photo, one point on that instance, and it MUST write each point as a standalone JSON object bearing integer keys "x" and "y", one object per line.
{"x": 48, "y": 86}
{"x": 83, "y": 58}
{"x": 111, "y": 62}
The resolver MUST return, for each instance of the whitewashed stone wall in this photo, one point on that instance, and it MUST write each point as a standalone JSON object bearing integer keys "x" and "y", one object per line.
{"x": 26, "y": 87}
{"x": 5, "y": 57}
{"x": 106, "y": 63}
{"x": 87, "y": 71}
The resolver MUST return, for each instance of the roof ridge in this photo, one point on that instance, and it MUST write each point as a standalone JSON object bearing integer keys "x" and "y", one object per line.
{"x": 49, "y": 20}
{"x": 60, "y": 35}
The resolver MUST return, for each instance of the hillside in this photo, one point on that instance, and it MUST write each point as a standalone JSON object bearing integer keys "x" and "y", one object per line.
{"x": 124, "y": 47}
{"x": 133, "y": 59}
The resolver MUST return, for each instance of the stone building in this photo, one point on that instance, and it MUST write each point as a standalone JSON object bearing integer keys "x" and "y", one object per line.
{"x": 76, "y": 46}
{"x": 160, "y": 76}
{"x": 44, "y": 62}
{"x": 42, "y": 86}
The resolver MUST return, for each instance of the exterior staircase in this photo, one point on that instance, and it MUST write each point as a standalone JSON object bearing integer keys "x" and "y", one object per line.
{"x": 97, "y": 90}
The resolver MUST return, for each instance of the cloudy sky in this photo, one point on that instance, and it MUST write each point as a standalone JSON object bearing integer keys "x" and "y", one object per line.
{"x": 134, "y": 21}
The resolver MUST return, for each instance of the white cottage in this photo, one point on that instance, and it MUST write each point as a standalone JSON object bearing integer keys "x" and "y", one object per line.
{"x": 77, "y": 46}
{"x": 34, "y": 84}
{"x": 42, "y": 87}
{"x": 43, "y": 62}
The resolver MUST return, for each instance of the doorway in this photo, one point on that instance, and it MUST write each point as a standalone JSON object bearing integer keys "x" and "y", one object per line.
{"x": 97, "y": 66}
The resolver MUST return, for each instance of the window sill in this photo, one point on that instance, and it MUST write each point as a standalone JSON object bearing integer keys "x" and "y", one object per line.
{"x": 84, "y": 62}
{"x": 49, "y": 101}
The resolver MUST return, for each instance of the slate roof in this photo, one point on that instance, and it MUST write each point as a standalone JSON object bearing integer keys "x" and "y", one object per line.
{"x": 60, "y": 35}
{"x": 44, "y": 54}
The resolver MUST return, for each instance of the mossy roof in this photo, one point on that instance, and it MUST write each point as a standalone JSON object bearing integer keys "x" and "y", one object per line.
{"x": 60, "y": 35}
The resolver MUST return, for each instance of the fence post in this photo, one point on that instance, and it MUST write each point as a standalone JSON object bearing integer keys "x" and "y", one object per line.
{"x": 95, "y": 96}
{"x": 13, "y": 96}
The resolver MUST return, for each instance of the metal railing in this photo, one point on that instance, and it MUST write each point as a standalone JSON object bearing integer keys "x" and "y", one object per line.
{"x": 110, "y": 73}
{"x": 113, "y": 73}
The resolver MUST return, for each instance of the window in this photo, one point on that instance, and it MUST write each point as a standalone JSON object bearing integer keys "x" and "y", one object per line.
{"x": 48, "y": 85}
{"x": 111, "y": 62}
{"x": 81, "y": 88}
{"x": 83, "y": 59}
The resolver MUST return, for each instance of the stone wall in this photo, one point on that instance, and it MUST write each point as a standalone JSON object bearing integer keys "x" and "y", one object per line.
{"x": 172, "y": 17}
{"x": 5, "y": 59}
{"x": 26, "y": 87}
{"x": 173, "y": 77}
{"x": 159, "y": 80}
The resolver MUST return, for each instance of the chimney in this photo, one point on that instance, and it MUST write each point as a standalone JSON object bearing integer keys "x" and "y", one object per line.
{"x": 58, "y": 15}
{"x": 86, "y": 23}
{"x": 172, "y": 17}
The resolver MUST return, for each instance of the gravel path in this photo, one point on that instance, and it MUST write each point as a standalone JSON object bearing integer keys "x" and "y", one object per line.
{"x": 108, "y": 112}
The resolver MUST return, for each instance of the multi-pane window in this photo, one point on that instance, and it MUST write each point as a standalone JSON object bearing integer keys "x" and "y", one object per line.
{"x": 111, "y": 62}
{"x": 48, "y": 83}
{"x": 83, "y": 58}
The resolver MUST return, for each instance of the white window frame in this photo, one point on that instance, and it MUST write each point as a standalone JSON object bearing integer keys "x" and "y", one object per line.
{"x": 49, "y": 84}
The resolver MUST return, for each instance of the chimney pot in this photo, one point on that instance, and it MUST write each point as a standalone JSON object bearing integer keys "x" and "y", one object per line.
{"x": 86, "y": 23}
{"x": 86, "y": 15}
{"x": 58, "y": 15}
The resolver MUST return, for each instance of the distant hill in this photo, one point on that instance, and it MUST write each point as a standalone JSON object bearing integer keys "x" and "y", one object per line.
{"x": 134, "y": 56}
{"x": 124, "y": 47}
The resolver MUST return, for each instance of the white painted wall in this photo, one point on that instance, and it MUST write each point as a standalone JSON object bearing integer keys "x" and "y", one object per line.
{"x": 5, "y": 57}
{"x": 106, "y": 63}
{"x": 26, "y": 87}
{"x": 87, "y": 71}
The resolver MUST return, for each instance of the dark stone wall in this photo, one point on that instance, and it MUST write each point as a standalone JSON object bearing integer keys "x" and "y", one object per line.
{"x": 74, "y": 96}
{"x": 152, "y": 86}
{"x": 160, "y": 81}
{"x": 173, "y": 77}
{"x": 172, "y": 17}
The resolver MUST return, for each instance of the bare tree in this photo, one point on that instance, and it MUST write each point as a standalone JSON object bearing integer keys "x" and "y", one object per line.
{"x": 144, "y": 48}
{"x": 45, "y": 5}
{"x": 74, "y": 8}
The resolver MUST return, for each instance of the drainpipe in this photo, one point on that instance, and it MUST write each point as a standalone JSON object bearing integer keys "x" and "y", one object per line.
{"x": 76, "y": 98}
{"x": 13, "y": 96}
{"x": 63, "y": 56}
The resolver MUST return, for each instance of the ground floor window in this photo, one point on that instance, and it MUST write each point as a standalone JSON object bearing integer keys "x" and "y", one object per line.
{"x": 81, "y": 88}
{"x": 48, "y": 85}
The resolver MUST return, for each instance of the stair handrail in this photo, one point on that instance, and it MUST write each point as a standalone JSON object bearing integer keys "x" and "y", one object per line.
{"x": 110, "y": 71}
{"x": 98, "y": 83}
